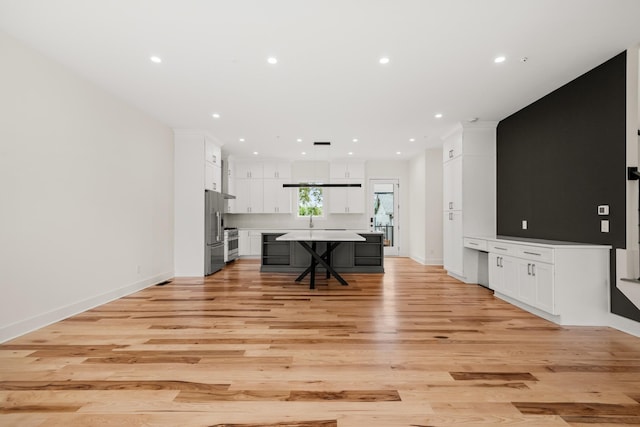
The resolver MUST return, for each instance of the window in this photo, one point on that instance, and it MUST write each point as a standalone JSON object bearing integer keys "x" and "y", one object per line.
{"x": 310, "y": 201}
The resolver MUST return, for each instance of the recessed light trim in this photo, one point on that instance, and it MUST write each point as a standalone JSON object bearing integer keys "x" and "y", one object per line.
{"x": 355, "y": 139}
{"x": 241, "y": 139}
{"x": 438, "y": 115}
{"x": 299, "y": 140}
{"x": 155, "y": 59}
{"x": 350, "y": 153}
{"x": 304, "y": 153}
{"x": 398, "y": 152}
{"x": 272, "y": 60}
{"x": 412, "y": 139}
{"x": 215, "y": 115}
{"x": 255, "y": 153}
{"x": 384, "y": 60}
{"x": 499, "y": 59}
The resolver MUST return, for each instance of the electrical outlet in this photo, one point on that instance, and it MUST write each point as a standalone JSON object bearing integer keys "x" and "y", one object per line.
{"x": 524, "y": 224}
{"x": 604, "y": 226}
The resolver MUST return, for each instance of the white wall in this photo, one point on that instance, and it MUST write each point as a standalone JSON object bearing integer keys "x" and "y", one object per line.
{"x": 425, "y": 204}
{"x": 86, "y": 182}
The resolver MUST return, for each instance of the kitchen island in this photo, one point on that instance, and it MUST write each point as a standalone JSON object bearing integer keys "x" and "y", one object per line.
{"x": 287, "y": 256}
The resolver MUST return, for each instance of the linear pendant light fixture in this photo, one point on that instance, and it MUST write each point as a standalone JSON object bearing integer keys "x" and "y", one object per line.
{"x": 310, "y": 184}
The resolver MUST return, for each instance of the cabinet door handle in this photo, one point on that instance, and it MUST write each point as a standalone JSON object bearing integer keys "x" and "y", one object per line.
{"x": 450, "y": 216}
{"x": 529, "y": 269}
{"x": 450, "y": 205}
{"x": 501, "y": 264}
{"x": 532, "y": 253}
{"x": 499, "y": 248}
{"x": 533, "y": 270}
{"x": 497, "y": 261}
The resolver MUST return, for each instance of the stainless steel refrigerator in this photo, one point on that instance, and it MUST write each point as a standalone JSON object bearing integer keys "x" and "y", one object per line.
{"x": 214, "y": 233}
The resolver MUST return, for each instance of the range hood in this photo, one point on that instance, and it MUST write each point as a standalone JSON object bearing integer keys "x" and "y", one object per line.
{"x": 311, "y": 184}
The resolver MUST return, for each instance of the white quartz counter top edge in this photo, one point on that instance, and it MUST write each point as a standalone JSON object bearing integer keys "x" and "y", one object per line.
{"x": 321, "y": 236}
{"x": 539, "y": 242}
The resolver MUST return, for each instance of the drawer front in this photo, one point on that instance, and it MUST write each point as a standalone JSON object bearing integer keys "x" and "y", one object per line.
{"x": 477, "y": 244}
{"x": 535, "y": 253}
{"x": 502, "y": 248}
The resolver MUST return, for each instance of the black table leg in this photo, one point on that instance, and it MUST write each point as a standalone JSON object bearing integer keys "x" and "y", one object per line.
{"x": 317, "y": 259}
{"x": 312, "y": 284}
{"x": 325, "y": 255}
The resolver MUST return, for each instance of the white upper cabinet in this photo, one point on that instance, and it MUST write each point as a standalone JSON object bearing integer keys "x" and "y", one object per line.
{"x": 346, "y": 169}
{"x": 212, "y": 153}
{"x": 248, "y": 169}
{"x": 452, "y": 147}
{"x": 277, "y": 199}
{"x": 273, "y": 169}
{"x": 348, "y": 200}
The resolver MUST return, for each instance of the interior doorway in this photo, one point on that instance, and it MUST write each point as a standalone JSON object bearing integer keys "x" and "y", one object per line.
{"x": 384, "y": 215}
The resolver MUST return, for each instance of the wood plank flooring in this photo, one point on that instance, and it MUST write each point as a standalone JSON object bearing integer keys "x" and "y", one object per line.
{"x": 411, "y": 347}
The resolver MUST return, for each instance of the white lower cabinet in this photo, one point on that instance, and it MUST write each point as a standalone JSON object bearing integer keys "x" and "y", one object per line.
{"x": 453, "y": 248}
{"x": 249, "y": 243}
{"x": 565, "y": 282}
{"x": 503, "y": 274}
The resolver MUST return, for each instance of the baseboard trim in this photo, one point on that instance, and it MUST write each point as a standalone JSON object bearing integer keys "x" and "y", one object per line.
{"x": 22, "y": 327}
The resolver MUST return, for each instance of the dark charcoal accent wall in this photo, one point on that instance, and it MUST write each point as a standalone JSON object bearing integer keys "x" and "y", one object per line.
{"x": 561, "y": 157}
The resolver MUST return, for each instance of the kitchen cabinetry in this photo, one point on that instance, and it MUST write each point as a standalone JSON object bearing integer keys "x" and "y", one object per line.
{"x": 212, "y": 165}
{"x": 346, "y": 199}
{"x": 249, "y": 243}
{"x": 277, "y": 199}
{"x": 468, "y": 194}
{"x": 348, "y": 257}
{"x": 346, "y": 169}
{"x": 274, "y": 169}
{"x": 350, "y": 200}
{"x": 258, "y": 186}
{"x": 196, "y": 169}
{"x": 249, "y": 196}
{"x": 248, "y": 169}
{"x": 564, "y": 282}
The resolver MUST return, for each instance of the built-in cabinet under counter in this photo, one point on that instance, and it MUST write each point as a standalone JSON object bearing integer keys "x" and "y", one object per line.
{"x": 564, "y": 282}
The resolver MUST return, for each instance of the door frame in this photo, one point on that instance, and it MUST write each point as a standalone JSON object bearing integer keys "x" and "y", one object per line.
{"x": 395, "y": 249}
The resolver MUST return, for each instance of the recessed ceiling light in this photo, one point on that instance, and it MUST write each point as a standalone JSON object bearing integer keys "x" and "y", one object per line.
{"x": 299, "y": 140}
{"x": 412, "y": 139}
{"x": 499, "y": 59}
{"x": 156, "y": 59}
{"x": 304, "y": 153}
{"x": 355, "y": 139}
{"x": 272, "y": 60}
{"x": 438, "y": 115}
{"x": 384, "y": 60}
{"x": 255, "y": 153}
{"x": 215, "y": 115}
{"x": 350, "y": 153}
{"x": 398, "y": 152}
{"x": 241, "y": 140}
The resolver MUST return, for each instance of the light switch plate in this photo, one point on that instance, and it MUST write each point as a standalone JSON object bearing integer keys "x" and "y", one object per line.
{"x": 524, "y": 224}
{"x": 603, "y": 210}
{"x": 604, "y": 226}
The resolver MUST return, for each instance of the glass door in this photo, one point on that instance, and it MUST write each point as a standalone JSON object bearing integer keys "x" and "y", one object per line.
{"x": 383, "y": 212}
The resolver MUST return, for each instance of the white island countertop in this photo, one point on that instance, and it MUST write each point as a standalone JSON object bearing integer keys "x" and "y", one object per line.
{"x": 321, "y": 236}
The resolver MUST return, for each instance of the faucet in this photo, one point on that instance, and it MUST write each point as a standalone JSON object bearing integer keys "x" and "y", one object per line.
{"x": 310, "y": 220}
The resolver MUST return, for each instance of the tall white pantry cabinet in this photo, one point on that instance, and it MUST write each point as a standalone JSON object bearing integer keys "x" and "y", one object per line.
{"x": 197, "y": 167}
{"x": 468, "y": 194}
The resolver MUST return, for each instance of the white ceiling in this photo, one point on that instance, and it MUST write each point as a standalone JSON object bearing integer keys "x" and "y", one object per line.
{"x": 328, "y": 84}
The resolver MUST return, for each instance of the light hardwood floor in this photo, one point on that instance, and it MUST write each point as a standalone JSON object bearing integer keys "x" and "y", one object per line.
{"x": 412, "y": 347}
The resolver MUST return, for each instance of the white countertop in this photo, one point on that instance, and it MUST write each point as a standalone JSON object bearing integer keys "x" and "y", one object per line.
{"x": 538, "y": 242}
{"x": 321, "y": 236}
